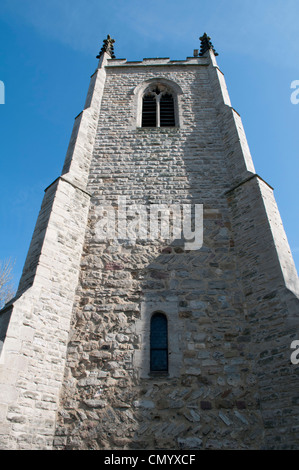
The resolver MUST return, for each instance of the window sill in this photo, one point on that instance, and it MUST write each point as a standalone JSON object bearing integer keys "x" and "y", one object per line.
{"x": 157, "y": 129}
{"x": 156, "y": 374}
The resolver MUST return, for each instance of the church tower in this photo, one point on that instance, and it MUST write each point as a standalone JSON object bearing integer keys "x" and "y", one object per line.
{"x": 159, "y": 297}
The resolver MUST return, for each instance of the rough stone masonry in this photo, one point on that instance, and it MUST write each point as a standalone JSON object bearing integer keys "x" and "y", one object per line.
{"x": 75, "y": 363}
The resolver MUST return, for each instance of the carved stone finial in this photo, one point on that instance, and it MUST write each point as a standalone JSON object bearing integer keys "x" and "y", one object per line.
{"x": 206, "y": 45}
{"x": 107, "y": 47}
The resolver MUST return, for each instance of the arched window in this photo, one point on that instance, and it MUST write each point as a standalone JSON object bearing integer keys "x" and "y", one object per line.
{"x": 158, "y": 107}
{"x": 159, "y": 343}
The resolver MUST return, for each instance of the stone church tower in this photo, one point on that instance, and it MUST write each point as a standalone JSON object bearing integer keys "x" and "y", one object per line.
{"x": 116, "y": 340}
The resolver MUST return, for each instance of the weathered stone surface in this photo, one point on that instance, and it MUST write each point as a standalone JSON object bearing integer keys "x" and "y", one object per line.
{"x": 190, "y": 443}
{"x": 95, "y": 403}
{"x": 81, "y": 326}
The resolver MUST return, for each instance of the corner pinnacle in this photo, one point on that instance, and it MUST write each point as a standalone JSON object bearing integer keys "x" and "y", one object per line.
{"x": 206, "y": 45}
{"x": 107, "y": 47}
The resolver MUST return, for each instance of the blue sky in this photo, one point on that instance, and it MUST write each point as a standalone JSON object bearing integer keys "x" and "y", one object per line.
{"x": 49, "y": 51}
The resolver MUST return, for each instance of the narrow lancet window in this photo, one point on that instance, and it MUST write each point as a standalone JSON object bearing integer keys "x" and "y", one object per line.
{"x": 159, "y": 343}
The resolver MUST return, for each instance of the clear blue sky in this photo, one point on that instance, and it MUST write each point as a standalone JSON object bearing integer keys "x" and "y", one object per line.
{"x": 49, "y": 51}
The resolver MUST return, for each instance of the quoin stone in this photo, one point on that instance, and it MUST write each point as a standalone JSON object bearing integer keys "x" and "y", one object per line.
{"x": 145, "y": 343}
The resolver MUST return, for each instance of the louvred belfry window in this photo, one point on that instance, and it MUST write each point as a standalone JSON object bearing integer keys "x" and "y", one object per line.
{"x": 149, "y": 111}
{"x": 159, "y": 343}
{"x": 158, "y": 108}
{"x": 167, "y": 111}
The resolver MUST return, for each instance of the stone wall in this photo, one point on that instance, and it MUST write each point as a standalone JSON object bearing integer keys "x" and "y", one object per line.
{"x": 269, "y": 285}
{"x": 33, "y": 355}
{"x": 212, "y": 396}
{"x": 75, "y": 361}
{"x": 35, "y": 326}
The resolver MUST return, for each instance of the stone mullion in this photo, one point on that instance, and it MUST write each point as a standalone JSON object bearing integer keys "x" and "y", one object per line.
{"x": 158, "y": 110}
